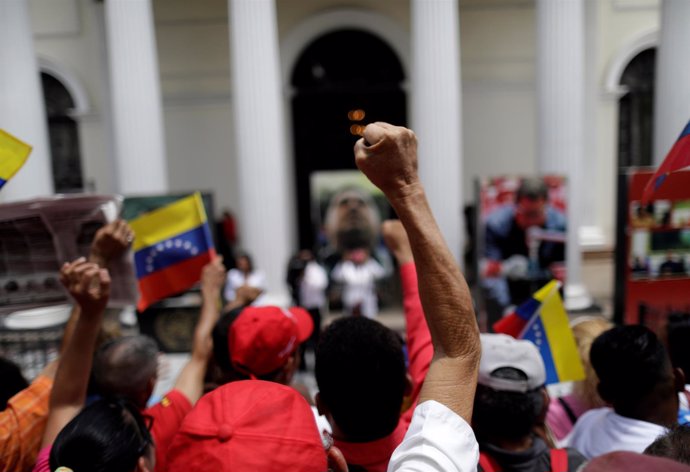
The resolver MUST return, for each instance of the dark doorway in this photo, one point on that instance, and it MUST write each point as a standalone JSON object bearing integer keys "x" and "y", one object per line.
{"x": 636, "y": 111}
{"x": 342, "y": 81}
{"x": 63, "y": 135}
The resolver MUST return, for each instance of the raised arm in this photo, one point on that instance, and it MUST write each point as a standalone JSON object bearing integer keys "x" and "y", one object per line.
{"x": 89, "y": 285}
{"x": 387, "y": 155}
{"x": 191, "y": 379}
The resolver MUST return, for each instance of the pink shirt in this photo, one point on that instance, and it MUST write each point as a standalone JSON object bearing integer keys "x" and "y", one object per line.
{"x": 557, "y": 417}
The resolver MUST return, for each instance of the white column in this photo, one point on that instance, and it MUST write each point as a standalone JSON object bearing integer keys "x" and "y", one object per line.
{"x": 437, "y": 110}
{"x": 22, "y": 108}
{"x": 262, "y": 160}
{"x": 136, "y": 97}
{"x": 672, "y": 92}
{"x": 560, "y": 120}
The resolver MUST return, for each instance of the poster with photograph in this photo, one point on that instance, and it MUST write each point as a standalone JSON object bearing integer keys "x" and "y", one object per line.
{"x": 347, "y": 211}
{"x": 521, "y": 236}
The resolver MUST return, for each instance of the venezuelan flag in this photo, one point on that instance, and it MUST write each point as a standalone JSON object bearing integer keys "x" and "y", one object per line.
{"x": 13, "y": 155}
{"x": 676, "y": 159}
{"x": 548, "y": 328}
{"x": 171, "y": 246}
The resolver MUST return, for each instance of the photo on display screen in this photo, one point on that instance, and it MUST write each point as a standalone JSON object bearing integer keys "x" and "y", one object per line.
{"x": 347, "y": 211}
{"x": 521, "y": 238}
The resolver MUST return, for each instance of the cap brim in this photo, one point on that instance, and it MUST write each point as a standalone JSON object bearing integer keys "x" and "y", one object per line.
{"x": 305, "y": 325}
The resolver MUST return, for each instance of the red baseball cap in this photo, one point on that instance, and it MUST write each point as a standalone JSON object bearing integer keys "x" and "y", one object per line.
{"x": 249, "y": 425}
{"x": 262, "y": 338}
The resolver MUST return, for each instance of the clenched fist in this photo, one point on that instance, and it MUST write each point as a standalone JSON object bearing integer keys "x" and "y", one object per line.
{"x": 88, "y": 284}
{"x": 387, "y": 155}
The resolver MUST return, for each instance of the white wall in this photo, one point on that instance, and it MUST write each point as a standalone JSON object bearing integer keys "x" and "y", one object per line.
{"x": 498, "y": 62}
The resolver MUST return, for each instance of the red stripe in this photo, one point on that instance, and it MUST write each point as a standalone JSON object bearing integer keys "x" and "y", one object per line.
{"x": 172, "y": 280}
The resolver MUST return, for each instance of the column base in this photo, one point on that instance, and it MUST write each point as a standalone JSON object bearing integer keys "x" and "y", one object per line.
{"x": 577, "y": 298}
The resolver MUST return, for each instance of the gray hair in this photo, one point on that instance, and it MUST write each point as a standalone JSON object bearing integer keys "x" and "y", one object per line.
{"x": 125, "y": 366}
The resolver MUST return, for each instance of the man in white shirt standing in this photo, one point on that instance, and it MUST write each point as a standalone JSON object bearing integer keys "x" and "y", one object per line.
{"x": 439, "y": 437}
{"x": 636, "y": 378}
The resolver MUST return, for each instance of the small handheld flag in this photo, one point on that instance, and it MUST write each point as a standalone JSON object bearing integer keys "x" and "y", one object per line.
{"x": 13, "y": 155}
{"x": 543, "y": 320}
{"x": 171, "y": 246}
{"x": 676, "y": 159}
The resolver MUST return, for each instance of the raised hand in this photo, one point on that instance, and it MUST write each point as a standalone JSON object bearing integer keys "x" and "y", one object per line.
{"x": 88, "y": 284}
{"x": 110, "y": 242}
{"x": 387, "y": 155}
{"x": 213, "y": 277}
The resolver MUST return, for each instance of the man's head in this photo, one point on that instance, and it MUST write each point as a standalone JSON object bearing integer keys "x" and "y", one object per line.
{"x": 126, "y": 367}
{"x": 510, "y": 398}
{"x": 250, "y": 425}
{"x": 635, "y": 373}
{"x": 674, "y": 445}
{"x": 352, "y": 220}
{"x": 530, "y": 202}
{"x": 362, "y": 379}
{"x": 12, "y": 383}
{"x": 261, "y": 342}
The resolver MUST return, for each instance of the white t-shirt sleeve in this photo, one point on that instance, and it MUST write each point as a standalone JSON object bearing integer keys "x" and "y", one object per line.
{"x": 437, "y": 440}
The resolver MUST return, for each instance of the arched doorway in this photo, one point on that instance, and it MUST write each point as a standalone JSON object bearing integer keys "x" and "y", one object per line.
{"x": 636, "y": 111}
{"x": 64, "y": 136}
{"x": 331, "y": 79}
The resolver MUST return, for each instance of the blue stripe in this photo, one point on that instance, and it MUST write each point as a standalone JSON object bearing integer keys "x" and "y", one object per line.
{"x": 536, "y": 333}
{"x": 2, "y": 182}
{"x": 527, "y": 310}
{"x": 181, "y": 247}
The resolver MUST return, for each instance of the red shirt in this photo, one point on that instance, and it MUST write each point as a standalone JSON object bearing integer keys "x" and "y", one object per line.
{"x": 375, "y": 455}
{"x": 167, "y": 418}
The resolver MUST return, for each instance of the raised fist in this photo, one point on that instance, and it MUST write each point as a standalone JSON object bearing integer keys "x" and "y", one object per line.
{"x": 110, "y": 242}
{"x": 88, "y": 284}
{"x": 213, "y": 277}
{"x": 387, "y": 155}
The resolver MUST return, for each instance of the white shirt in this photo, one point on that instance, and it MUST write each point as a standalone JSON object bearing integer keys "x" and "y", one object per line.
{"x": 438, "y": 440}
{"x": 236, "y": 279}
{"x": 602, "y": 430}
{"x": 312, "y": 289}
{"x": 359, "y": 284}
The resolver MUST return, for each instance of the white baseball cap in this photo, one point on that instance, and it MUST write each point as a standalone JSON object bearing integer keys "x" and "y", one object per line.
{"x": 500, "y": 351}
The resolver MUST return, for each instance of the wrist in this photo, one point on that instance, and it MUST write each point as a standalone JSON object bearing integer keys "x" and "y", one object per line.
{"x": 99, "y": 259}
{"x": 406, "y": 193}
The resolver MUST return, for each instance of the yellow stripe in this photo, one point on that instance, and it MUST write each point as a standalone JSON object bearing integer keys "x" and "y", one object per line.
{"x": 560, "y": 337}
{"x": 164, "y": 223}
{"x": 13, "y": 155}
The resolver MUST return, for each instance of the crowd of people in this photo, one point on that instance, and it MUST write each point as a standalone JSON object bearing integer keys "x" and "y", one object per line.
{"x": 444, "y": 398}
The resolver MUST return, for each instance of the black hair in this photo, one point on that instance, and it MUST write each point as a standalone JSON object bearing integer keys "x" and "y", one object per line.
{"x": 674, "y": 445}
{"x": 678, "y": 333}
{"x": 361, "y": 375}
{"x": 12, "y": 383}
{"x": 106, "y": 436}
{"x": 630, "y": 362}
{"x": 506, "y": 415}
{"x": 532, "y": 188}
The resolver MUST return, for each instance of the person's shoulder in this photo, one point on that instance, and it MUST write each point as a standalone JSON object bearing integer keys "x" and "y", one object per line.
{"x": 499, "y": 219}
{"x": 555, "y": 218}
{"x": 591, "y": 417}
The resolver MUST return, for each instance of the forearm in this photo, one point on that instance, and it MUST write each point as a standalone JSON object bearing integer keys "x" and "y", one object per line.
{"x": 72, "y": 376}
{"x": 447, "y": 305}
{"x": 443, "y": 291}
{"x": 210, "y": 312}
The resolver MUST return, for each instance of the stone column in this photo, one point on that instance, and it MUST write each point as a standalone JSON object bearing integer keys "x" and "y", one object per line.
{"x": 262, "y": 160}
{"x": 560, "y": 120}
{"x": 437, "y": 110}
{"x": 22, "y": 107}
{"x": 672, "y": 93}
{"x": 139, "y": 140}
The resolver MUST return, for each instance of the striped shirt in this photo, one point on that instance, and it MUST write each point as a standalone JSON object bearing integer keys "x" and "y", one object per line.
{"x": 22, "y": 424}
